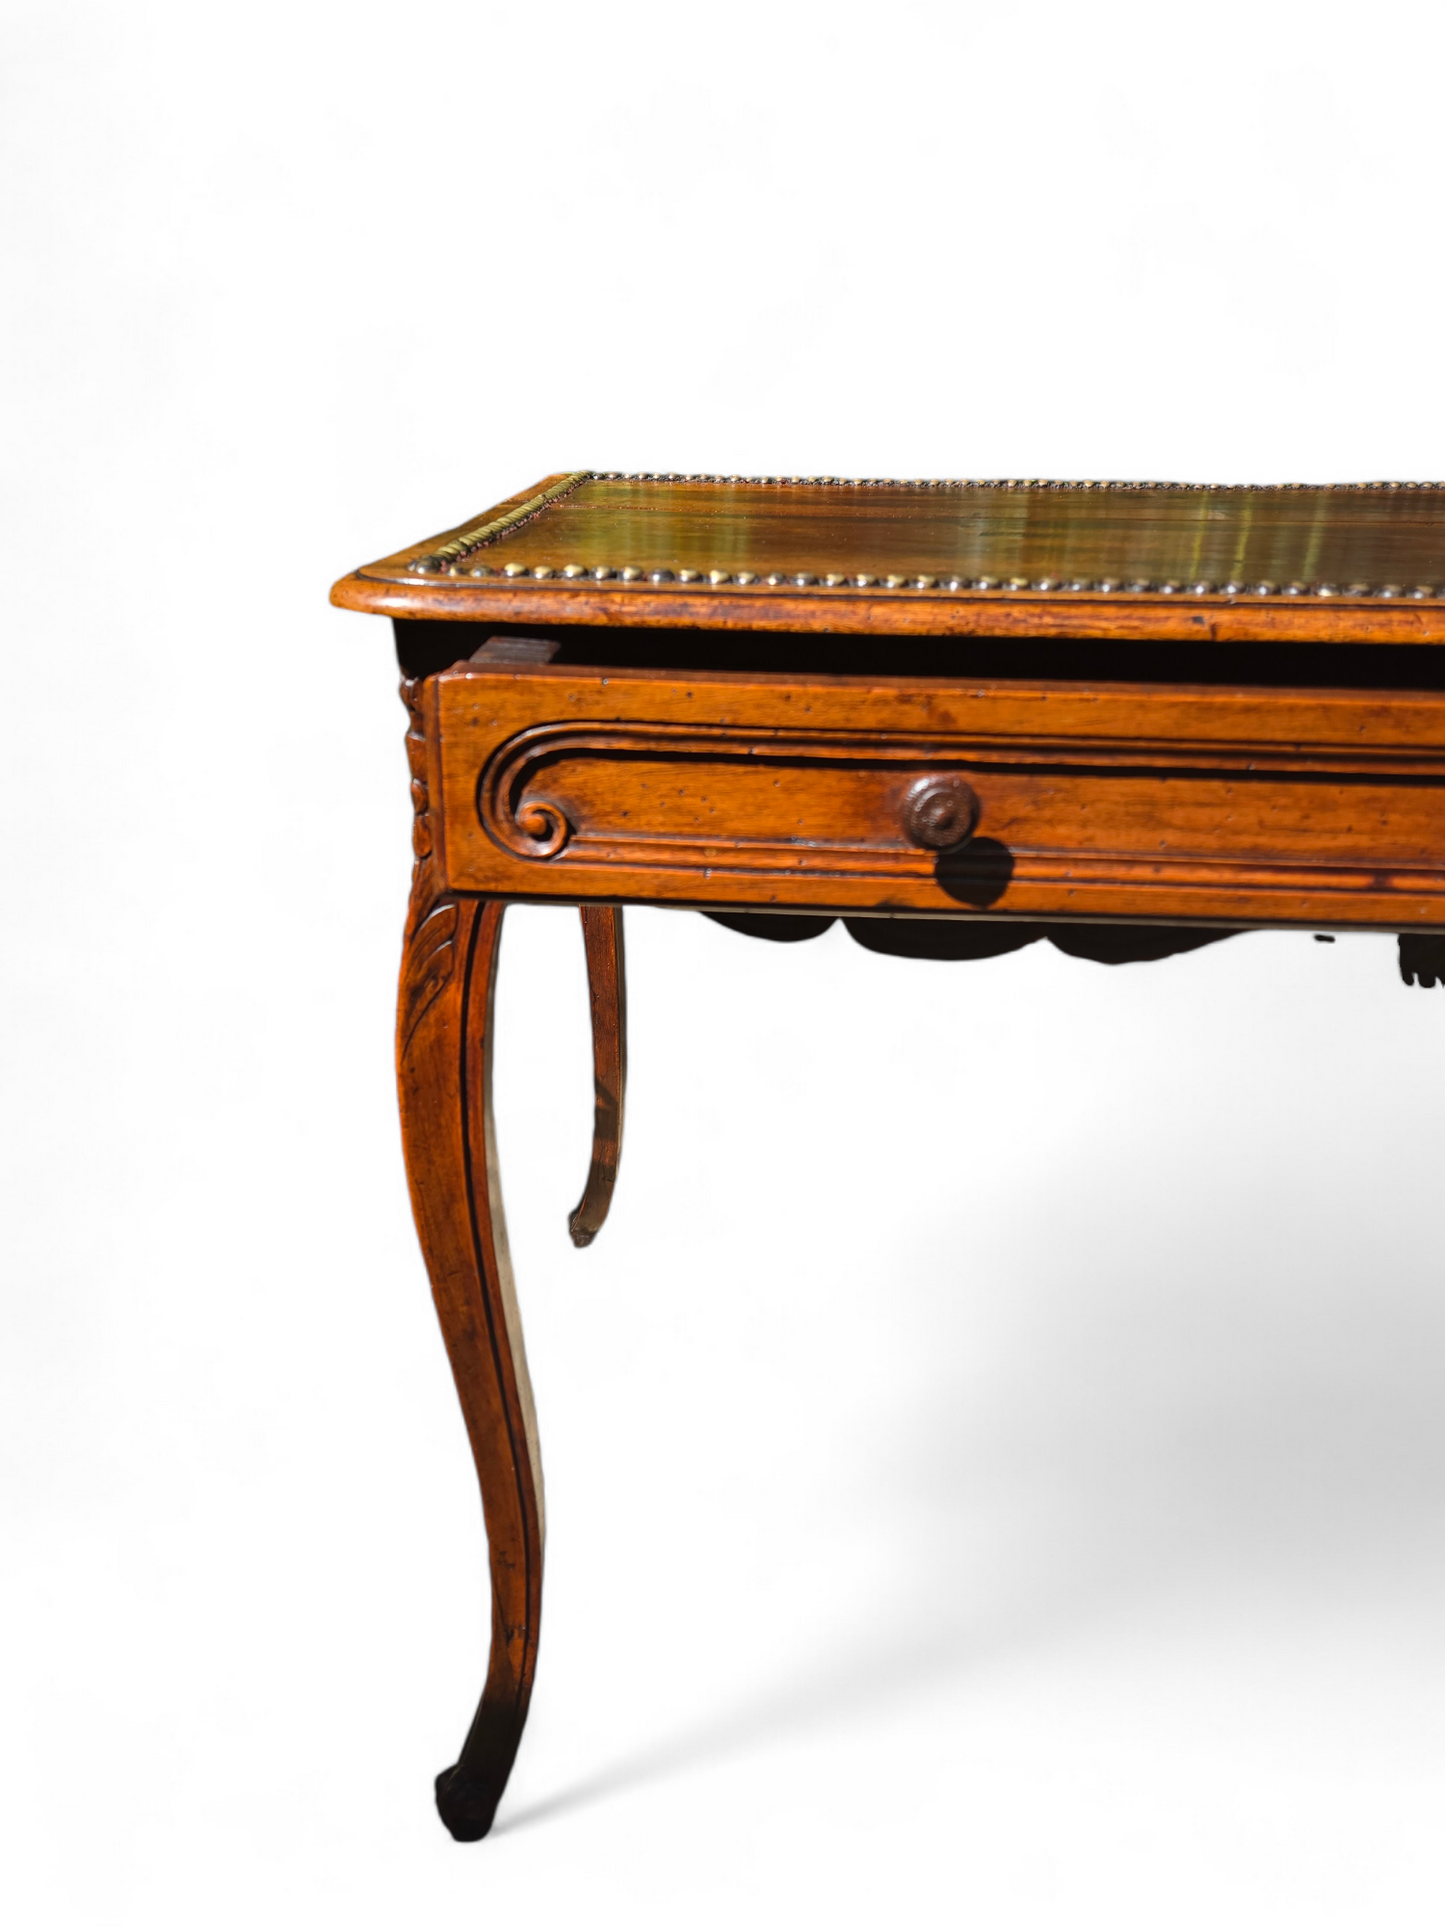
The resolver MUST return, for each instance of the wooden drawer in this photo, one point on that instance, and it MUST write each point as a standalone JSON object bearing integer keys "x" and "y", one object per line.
{"x": 1029, "y": 798}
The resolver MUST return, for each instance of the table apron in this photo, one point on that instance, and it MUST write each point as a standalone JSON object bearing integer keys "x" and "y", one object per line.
{"x": 1113, "y": 801}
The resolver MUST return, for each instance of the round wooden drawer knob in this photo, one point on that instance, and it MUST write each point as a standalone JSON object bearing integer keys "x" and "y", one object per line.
{"x": 940, "y": 812}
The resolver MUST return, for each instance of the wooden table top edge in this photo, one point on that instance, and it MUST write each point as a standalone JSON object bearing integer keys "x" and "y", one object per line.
{"x": 913, "y": 613}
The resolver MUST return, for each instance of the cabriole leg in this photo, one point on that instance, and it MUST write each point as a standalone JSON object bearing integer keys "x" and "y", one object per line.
{"x": 444, "y": 1069}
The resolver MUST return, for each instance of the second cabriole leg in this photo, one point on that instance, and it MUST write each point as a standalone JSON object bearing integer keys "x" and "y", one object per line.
{"x": 607, "y": 990}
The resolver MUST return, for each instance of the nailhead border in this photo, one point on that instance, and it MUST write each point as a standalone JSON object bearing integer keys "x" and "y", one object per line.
{"x": 453, "y": 558}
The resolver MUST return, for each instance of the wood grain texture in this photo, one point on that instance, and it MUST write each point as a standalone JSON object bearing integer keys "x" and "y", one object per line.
{"x": 444, "y": 1080}
{"x": 1141, "y": 803}
{"x": 607, "y": 994}
{"x": 1121, "y": 561}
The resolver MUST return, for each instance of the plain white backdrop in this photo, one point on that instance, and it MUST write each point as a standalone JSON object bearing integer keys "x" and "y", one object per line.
{"x": 996, "y": 1450}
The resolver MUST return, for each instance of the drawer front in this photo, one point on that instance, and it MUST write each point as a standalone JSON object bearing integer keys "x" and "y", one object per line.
{"x": 1032, "y": 799}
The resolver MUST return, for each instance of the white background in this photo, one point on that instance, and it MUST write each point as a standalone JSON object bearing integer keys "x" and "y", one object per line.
{"x": 996, "y": 1451}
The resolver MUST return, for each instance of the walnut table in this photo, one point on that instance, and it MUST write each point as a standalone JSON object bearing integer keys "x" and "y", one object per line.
{"x": 1128, "y": 718}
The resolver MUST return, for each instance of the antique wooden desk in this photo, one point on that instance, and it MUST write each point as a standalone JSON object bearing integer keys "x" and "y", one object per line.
{"x": 1130, "y": 718}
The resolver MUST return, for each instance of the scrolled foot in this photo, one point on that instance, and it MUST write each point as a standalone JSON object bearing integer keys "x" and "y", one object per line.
{"x": 467, "y": 1803}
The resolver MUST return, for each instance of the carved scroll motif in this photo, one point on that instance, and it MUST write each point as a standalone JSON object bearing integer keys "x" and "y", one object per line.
{"x": 529, "y": 823}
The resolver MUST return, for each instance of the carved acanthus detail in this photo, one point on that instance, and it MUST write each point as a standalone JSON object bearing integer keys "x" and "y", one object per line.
{"x": 423, "y": 839}
{"x": 431, "y": 924}
{"x": 426, "y": 968}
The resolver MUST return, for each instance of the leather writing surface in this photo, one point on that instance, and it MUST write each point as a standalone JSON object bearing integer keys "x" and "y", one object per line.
{"x": 894, "y": 554}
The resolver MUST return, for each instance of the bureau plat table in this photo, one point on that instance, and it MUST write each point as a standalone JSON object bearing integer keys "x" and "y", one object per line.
{"x": 1125, "y": 718}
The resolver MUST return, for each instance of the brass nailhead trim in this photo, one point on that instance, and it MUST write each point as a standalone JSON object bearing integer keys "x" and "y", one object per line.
{"x": 449, "y": 557}
{"x": 885, "y": 481}
{"x": 449, "y": 554}
{"x": 959, "y": 585}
